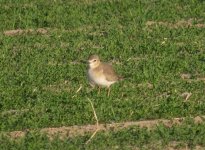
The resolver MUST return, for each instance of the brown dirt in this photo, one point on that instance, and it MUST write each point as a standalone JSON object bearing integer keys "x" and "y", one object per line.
{"x": 181, "y": 146}
{"x": 13, "y": 111}
{"x": 73, "y": 131}
{"x": 185, "y": 76}
{"x": 21, "y": 31}
{"x": 180, "y": 23}
{"x": 173, "y": 145}
{"x": 188, "y": 77}
{"x": 17, "y": 134}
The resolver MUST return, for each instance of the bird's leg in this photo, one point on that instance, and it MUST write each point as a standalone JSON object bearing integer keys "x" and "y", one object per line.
{"x": 92, "y": 85}
{"x": 108, "y": 93}
{"x": 98, "y": 89}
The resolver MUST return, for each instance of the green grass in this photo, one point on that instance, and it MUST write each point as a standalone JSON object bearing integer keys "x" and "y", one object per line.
{"x": 34, "y": 66}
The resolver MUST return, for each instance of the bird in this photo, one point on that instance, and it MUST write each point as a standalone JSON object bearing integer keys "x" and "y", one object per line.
{"x": 101, "y": 74}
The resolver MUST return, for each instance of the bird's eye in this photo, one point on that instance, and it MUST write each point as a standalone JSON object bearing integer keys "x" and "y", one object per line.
{"x": 94, "y": 60}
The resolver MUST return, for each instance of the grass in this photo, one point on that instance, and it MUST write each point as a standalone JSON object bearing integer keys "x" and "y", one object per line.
{"x": 42, "y": 72}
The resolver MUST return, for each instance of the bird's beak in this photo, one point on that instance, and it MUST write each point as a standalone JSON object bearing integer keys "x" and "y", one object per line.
{"x": 89, "y": 61}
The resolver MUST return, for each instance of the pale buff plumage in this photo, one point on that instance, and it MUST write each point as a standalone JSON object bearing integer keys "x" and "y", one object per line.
{"x": 101, "y": 74}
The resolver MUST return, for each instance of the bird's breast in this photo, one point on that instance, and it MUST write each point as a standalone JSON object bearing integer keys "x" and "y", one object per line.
{"x": 98, "y": 77}
{"x": 93, "y": 74}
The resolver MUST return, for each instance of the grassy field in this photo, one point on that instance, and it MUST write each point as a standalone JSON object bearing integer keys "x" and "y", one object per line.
{"x": 158, "y": 46}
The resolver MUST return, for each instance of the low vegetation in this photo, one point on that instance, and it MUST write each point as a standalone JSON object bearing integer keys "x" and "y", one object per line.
{"x": 157, "y": 46}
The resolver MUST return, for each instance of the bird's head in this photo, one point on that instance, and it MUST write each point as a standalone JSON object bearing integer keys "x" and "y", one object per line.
{"x": 93, "y": 61}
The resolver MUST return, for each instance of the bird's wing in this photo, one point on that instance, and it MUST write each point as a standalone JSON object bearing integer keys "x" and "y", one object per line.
{"x": 109, "y": 73}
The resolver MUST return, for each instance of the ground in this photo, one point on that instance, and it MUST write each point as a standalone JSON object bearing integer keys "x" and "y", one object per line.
{"x": 157, "y": 46}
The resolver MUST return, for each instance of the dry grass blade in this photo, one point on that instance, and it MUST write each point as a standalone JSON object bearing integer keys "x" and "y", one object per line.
{"x": 96, "y": 118}
{"x": 186, "y": 95}
{"x": 79, "y": 89}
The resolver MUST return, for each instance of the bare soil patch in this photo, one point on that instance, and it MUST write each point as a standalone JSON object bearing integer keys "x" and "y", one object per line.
{"x": 192, "y": 22}
{"x": 25, "y": 31}
{"x": 13, "y": 111}
{"x": 173, "y": 145}
{"x": 188, "y": 77}
{"x": 73, "y": 131}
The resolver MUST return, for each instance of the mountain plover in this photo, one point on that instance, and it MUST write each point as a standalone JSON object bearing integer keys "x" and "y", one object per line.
{"x": 101, "y": 74}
